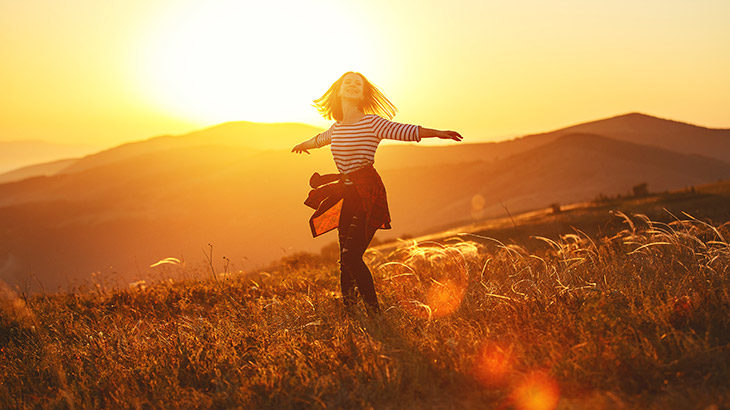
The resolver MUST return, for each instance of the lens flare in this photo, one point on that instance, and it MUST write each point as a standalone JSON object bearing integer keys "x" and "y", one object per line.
{"x": 494, "y": 365}
{"x": 537, "y": 391}
{"x": 444, "y": 298}
{"x": 429, "y": 280}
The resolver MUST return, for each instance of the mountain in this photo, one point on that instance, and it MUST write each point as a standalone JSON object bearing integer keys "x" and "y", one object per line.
{"x": 42, "y": 169}
{"x": 633, "y": 127}
{"x": 237, "y": 134}
{"x": 132, "y": 209}
{"x": 645, "y": 129}
{"x": 125, "y": 215}
{"x": 16, "y": 154}
{"x": 571, "y": 168}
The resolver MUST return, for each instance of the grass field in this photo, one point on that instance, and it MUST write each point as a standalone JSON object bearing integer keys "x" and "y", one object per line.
{"x": 615, "y": 311}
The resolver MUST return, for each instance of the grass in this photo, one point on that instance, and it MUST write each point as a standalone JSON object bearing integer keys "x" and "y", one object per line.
{"x": 638, "y": 318}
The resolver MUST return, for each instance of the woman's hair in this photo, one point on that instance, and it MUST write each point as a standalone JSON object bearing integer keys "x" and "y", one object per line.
{"x": 373, "y": 102}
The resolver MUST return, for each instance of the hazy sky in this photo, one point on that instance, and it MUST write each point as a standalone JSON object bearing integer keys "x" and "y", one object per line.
{"x": 103, "y": 72}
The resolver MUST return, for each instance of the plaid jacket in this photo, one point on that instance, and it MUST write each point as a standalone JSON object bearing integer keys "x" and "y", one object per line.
{"x": 327, "y": 197}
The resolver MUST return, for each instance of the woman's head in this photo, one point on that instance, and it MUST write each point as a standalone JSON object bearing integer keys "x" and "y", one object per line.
{"x": 355, "y": 87}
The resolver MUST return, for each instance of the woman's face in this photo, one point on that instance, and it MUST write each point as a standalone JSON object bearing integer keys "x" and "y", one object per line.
{"x": 352, "y": 87}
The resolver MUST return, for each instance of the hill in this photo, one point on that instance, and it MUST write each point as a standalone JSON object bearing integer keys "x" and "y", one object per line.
{"x": 16, "y": 154}
{"x": 648, "y": 130}
{"x": 633, "y": 127}
{"x": 706, "y": 202}
{"x": 633, "y": 318}
{"x": 42, "y": 169}
{"x": 571, "y": 168}
{"x": 250, "y": 135}
{"x": 127, "y": 214}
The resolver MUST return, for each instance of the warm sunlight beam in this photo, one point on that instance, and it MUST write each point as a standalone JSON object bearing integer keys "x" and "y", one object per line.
{"x": 257, "y": 61}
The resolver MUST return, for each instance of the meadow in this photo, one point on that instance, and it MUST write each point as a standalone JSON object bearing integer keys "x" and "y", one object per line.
{"x": 634, "y": 316}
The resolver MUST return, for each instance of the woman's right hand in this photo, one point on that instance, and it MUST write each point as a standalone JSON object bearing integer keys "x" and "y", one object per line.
{"x": 299, "y": 148}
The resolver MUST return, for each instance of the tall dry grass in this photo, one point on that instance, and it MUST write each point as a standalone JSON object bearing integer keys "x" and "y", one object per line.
{"x": 638, "y": 319}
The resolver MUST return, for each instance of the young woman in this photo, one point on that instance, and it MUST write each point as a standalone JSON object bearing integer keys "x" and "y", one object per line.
{"x": 354, "y": 200}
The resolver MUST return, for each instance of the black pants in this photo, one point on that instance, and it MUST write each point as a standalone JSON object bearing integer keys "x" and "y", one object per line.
{"x": 355, "y": 236}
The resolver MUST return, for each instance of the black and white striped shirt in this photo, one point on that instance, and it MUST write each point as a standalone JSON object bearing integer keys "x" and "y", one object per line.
{"x": 354, "y": 145}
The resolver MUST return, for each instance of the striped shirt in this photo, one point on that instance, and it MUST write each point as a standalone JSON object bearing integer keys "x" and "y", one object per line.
{"x": 354, "y": 145}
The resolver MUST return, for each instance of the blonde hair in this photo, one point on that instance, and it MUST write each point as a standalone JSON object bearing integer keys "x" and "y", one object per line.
{"x": 373, "y": 102}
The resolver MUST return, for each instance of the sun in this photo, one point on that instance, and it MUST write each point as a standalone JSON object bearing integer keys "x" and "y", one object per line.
{"x": 256, "y": 61}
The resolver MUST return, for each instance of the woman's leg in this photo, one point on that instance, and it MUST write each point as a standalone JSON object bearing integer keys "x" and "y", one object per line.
{"x": 354, "y": 238}
{"x": 363, "y": 276}
{"x": 347, "y": 275}
{"x": 352, "y": 249}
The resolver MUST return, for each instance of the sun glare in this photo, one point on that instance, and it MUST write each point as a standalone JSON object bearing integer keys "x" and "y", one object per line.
{"x": 257, "y": 61}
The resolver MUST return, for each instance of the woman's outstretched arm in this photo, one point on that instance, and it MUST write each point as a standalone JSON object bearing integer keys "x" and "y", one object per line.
{"x": 431, "y": 133}
{"x": 386, "y": 129}
{"x": 305, "y": 146}
{"x": 318, "y": 141}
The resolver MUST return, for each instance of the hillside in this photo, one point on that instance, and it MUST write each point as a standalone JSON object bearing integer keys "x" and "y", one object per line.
{"x": 250, "y": 135}
{"x": 42, "y": 169}
{"x": 707, "y": 202}
{"x": 634, "y": 128}
{"x": 17, "y": 154}
{"x": 125, "y": 215}
{"x": 634, "y": 318}
{"x": 569, "y": 169}
{"x": 647, "y": 130}
{"x": 128, "y": 214}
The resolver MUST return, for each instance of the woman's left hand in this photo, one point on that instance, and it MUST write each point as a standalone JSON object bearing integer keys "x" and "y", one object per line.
{"x": 450, "y": 135}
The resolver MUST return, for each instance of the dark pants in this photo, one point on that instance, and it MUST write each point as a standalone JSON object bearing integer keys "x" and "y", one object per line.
{"x": 355, "y": 236}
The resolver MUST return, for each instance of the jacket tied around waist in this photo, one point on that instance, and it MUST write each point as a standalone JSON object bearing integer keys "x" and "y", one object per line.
{"x": 328, "y": 194}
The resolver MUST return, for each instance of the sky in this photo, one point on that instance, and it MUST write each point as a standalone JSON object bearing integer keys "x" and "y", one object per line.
{"x": 105, "y": 72}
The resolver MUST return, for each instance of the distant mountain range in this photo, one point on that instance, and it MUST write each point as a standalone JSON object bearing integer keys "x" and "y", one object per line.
{"x": 42, "y": 169}
{"x": 17, "y": 154}
{"x": 240, "y": 134}
{"x": 122, "y": 209}
{"x": 634, "y": 127}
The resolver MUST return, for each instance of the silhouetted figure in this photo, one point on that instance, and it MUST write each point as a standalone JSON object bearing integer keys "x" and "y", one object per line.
{"x": 354, "y": 201}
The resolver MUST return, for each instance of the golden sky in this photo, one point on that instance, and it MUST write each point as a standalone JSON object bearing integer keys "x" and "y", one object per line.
{"x": 104, "y": 72}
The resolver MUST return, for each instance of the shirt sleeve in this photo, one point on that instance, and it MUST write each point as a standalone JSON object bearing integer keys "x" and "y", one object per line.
{"x": 324, "y": 138}
{"x": 385, "y": 129}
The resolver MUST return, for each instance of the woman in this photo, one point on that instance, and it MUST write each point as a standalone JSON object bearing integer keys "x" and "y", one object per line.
{"x": 356, "y": 204}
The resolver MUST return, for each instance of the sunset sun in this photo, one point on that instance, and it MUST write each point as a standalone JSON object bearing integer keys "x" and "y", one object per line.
{"x": 230, "y": 60}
